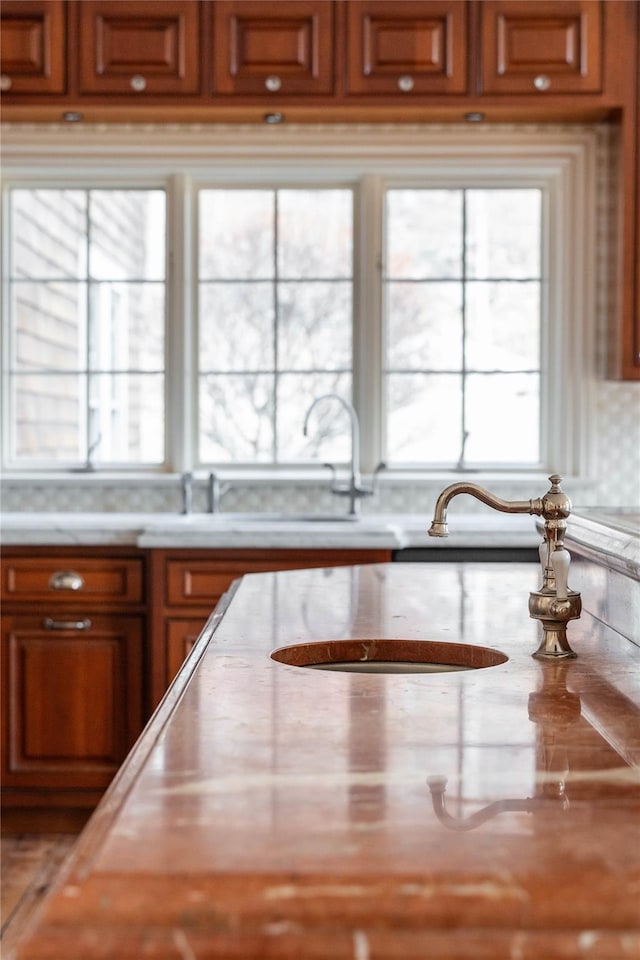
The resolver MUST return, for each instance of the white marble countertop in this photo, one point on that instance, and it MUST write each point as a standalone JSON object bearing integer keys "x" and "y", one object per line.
{"x": 226, "y": 531}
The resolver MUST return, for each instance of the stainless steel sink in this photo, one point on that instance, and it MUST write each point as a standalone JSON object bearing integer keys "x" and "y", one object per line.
{"x": 389, "y": 656}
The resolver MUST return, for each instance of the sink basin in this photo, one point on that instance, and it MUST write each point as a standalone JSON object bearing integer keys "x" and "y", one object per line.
{"x": 285, "y": 517}
{"x": 218, "y": 519}
{"x": 389, "y": 656}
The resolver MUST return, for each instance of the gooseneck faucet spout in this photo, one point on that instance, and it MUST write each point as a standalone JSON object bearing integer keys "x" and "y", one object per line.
{"x": 354, "y": 489}
{"x": 554, "y": 604}
{"x": 355, "y": 431}
{"x": 439, "y": 526}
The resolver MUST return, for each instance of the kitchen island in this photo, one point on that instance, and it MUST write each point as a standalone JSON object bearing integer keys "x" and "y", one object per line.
{"x": 271, "y": 810}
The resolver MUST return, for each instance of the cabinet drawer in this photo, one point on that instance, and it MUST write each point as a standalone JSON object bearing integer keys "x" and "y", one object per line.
{"x": 199, "y": 582}
{"x": 72, "y": 580}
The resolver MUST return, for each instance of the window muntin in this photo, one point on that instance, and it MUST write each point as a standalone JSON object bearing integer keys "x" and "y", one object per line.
{"x": 87, "y": 320}
{"x": 275, "y": 320}
{"x": 463, "y": 325}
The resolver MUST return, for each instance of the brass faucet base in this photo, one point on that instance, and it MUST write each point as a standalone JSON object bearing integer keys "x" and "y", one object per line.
{"x": 554, "y": 644}
{"x": 554, "y": 614}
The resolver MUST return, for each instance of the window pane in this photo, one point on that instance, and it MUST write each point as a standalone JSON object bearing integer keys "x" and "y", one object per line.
{"x": 503, "y": 230}
{"x": 48, "y": 233}
{"x": 236, "y": 418}
{"x": 424, "y": 326}
{"x": 126, "y": 331}
{"x": 49, "y": 321}
{"x": 236, "y": 234}
{"x": 126, "y": 234}
{"x": 236, "y": 329}
{"x": 314, "y": 233}
{"x": 502, "y": 418}
{"x": 503, "y": 326}
{"x": 424, "y": 418}
{"x": 314, "y": 323}
{"x": 424, "y": 233}
{"x": 126, "y": 417}
{"x": 329, "y": 429}
{"x": 49, "y": 414}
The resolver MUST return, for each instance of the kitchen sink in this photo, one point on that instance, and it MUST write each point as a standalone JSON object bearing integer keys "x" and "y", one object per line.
{"x": 389, "y": 656}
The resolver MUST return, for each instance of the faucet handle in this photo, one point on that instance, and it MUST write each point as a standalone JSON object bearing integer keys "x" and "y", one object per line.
{"x": 560, "y": 560}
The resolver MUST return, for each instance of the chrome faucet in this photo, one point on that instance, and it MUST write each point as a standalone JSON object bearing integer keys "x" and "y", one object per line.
{"x": 354, "y": 489}
{"x": 186, "y": 491}
{"x": 215, "y": 492}
{"x": 554, "y": 604}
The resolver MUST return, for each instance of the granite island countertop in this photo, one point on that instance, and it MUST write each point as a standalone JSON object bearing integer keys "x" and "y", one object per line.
{"x": 275, "y": 811}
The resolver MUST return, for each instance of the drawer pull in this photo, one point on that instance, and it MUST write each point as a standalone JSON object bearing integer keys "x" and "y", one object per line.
{"x": 273, "y": 84}
{"x": 50, "y": 624}
{"x": 5, "y": 82}
{"x": 138, "y": 83}
{"x": 66, "y": 580}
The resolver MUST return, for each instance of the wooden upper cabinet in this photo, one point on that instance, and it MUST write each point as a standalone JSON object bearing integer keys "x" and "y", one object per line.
{"x": 541, "y": 48}
{"x": 32, "y": 46}
{"x": 139, "y": 48}
{"x": 405, "y": 47}
{"x": 273, "y": 49}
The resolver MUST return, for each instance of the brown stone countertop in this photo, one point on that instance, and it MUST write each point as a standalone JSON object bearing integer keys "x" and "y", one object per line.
{"x": 273, "y": 811}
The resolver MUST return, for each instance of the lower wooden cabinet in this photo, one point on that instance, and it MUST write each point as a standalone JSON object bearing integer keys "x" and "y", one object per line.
{"x": 73, "y": 695}
{"x": 73, "y": 638}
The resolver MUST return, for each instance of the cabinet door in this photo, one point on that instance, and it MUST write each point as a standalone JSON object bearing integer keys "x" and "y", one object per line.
{"x": 273, "y": 49}
{"x": 32, "y": 46}
{"x": 71, "y": 689}
{"x": 541, "y": 48}
{"x": 181, "y": 637}
{"x": 139, "y": 48}
{"x": 406, "y": 47}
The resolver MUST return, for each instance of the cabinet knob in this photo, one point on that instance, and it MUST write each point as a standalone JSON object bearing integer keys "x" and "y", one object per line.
{"x": 5, "y": 82}
{"x": 66, "y": 580}
{"x": 542, "y": 82}
{"x": 405, "y": 84}
{"x": 273, "y": 83}
{"x": 138, "y": 82}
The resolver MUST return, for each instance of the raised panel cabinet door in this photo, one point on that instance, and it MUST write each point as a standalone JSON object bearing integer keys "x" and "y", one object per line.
{"x": 72, "y": 698}
{"x": 273, "y": 49}
{"x": 32, "y": 46}
{"x": 407, "y": 47}
{"x": 139, "y": 48}
{"x": 541, "y": 48}
{"x": 181, "y": 637}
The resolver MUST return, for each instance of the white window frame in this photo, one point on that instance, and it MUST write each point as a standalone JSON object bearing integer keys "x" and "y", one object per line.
{"x": 561, "y": 160}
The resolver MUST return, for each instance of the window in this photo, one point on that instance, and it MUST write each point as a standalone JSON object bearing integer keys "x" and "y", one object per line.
{"x": 446, "y": 292}
{"x": 275, "y": 320}
{"x": 86, "y": 292}
{"x": 463, "y": 326}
